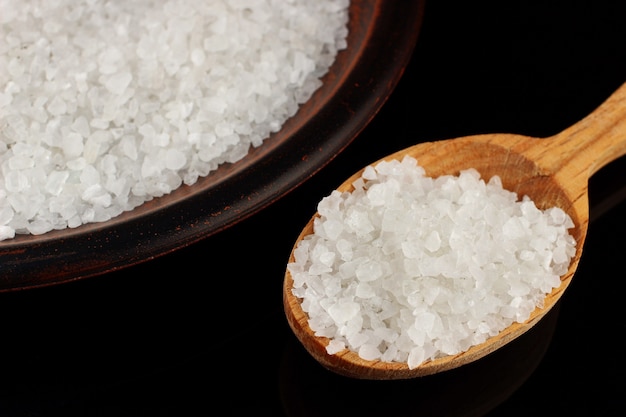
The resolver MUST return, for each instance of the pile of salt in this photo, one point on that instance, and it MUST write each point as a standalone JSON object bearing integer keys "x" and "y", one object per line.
{"x": 107, "y": 104}
{"x": 408, "y": 268}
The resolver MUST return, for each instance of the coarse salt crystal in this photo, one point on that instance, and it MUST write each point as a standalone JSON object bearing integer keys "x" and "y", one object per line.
{"x": 118, "y": 83}
{"x": 333, "y": 347}
{"x": 6, "y": 232}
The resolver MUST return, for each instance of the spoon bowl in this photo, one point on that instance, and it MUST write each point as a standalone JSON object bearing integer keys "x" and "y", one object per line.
{"x": 553, "y": 172}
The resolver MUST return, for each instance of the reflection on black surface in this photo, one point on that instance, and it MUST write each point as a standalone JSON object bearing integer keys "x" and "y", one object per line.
{"x": 309, "y": 390}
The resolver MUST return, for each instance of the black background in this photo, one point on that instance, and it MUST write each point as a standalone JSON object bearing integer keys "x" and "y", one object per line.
{"x": 201, "y": 331}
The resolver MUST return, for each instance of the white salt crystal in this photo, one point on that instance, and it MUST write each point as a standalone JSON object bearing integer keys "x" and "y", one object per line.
{"x": 89, "y": 175}
{"x": 560, "y": 255}
{"x": 99, "y": 123}
{"x": 364, "y": 290}
{"x": 198, "y": 56}
{"x": 5, "y": 99}
{"x": 519, "y": 288}
{"x": 417, "y": 355}
{"x": 175, "y": 159}
{"x": 355, "y": 337}
{"x": 344, "y": 249}
{"x": 327, "y": 258}
{"x": 77, "y": 164}
{"x": 39, "y": 227}
{"x": 369, "y": 173}
{"x": 433, "y": 241}
{"x": 15, "y": 68}
{"x": 57, "y": 106}
{"x": 334, "y": 346}
{"x": 21, "y": 162}
{"x": 6, "y": 232}
{"x": 97, "y": 195}
{"x": 386, "y": 334}
{"x": 513, "y": 228}
{"x": 558, "y": 216}
{"x": 16, "y": 182}
{"x": 368, "y": 271}
{"x": 56, "y": 181}
{"x": 343, "y": 310}
{"x": 118, "y": 82}
{"x": 109, "y": 60}
{"x": 72, "y": 144}
{"x": 423, "y": 267}
{"x": 333, "y": 228}
{"x": 369, "y": 352}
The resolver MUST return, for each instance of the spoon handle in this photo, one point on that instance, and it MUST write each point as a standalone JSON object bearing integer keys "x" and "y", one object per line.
{"x": 594, "y": 141}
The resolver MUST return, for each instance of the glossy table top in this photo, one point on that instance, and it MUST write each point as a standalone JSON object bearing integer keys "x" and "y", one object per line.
{"x": 156, "y": 339}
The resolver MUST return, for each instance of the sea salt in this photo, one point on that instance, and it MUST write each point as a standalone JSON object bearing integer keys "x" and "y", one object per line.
{"x": 106, "y": 105}
{"x": 408, "y": 268}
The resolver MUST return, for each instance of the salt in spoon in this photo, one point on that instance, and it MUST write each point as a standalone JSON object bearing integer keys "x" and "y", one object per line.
{"x": 552, "y": 171}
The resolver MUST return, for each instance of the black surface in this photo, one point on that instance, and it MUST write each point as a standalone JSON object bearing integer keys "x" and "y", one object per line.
{"x": 200, "y": 332}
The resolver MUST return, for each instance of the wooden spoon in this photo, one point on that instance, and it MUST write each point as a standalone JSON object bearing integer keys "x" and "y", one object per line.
{"x": 553, "y": 172}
